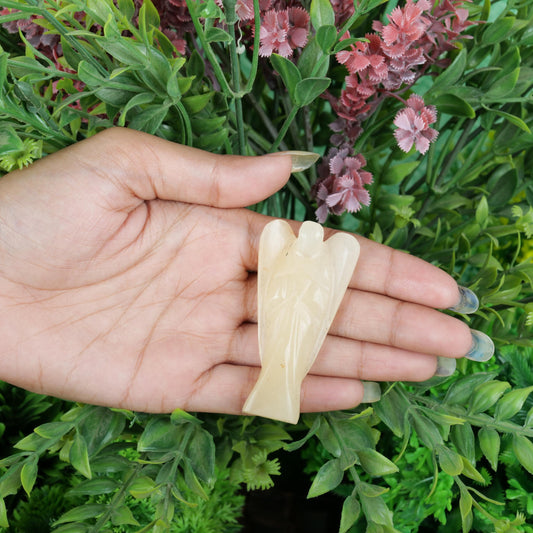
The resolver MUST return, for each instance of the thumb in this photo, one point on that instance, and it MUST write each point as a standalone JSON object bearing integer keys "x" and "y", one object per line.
{"x": 151, "y": 167}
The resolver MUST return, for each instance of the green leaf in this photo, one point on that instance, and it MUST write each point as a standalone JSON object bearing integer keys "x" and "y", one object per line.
{"x": 148, "y": 17}
{"x": 452, "y": 73}
{"x": 498, "y": 31}
{"x": 512, "y": 403}
{"x": 308, "y": 89}
{"x": 81, "y": 513}
{"x": 356, "y": 433}
{"x": 179, "y": 416}
{"x": 271, "y": 433}
{"x": 326, "y": 36}
{"x": 523, "y": 450}
{"x": 99, "y": 10}
{"x": 288, "y": 71}
{"x": 463, "y": 438}
{"x": 10, "y": 482}
{"x": 125, "y": 50}
{"x": 28, "y": 474}
{"x": 482, "y": 212}
{"x": 328, "y": 439}
{"x": 201, "y": 453}
{"x": 449, "y": 460}
{"x": 122, "y": 515}
{"x": 32, "y": 443}
{"x": 3, "y": 68}
{"x": 126, "y": 8}
{"x": 192, "y": 481}
{"x": 513, "y": 119}
{"x": 217, "y": 35}
{"x": 470, "y": 471}
{"x": 465, "y": 507}
{"x": 322, "y": 13}
{"x": 142, "y": 487}
{"x": 137, "y": 100}
{"x": 505, "y": 188}
{"x": 195, "y": 103}
{"x": 88, "y": 75}
{"x": 426, "y": 430}
{"x": 9, "y": 140}
{"x": 93, "y": 487}
{"x": 454, "y": 105}
{"x": 3, "y": 514}
{"x": 376, "y": 511}
{"x": 504, "y": 86}
{"x": 392, "y": 410}
{"x": 150, "y": 119}
{"x": 529, "y": 418}
{"x": 372, "y": 491}
{"x": 375, "y": 464}
{"x": 461, "y": 390}
{"x": 350, "y": 513}
{"x": 396, "y": 173}
{"x": 53, "y": 430}
{"x": 159, "y": 435}
{"x": 327, "y": 478}
{"x": 486, "y": 395}
{"x": 72, "y": 528}
{"x": 489, "y": 442}
{"x": 313, "y": 61}
{"x": 79, "y": 457}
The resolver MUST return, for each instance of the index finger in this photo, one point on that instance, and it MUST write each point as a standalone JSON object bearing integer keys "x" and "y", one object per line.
{"x": 380, "y": 269}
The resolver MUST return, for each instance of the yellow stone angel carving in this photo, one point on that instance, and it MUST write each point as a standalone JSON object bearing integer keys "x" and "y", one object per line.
{"x": 301, "y": 283}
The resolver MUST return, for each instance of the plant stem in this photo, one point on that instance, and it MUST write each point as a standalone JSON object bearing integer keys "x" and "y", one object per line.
{"x": 236, "y": 82}
{"x": 255, "y": 53}
{"x": 284, "y": 128}
{"x": 501, "y": 426}
{"x": 226, "y": 89}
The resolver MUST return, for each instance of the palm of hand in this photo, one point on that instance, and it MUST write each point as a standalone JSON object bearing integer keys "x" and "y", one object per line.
{"x": 131, "y": 303}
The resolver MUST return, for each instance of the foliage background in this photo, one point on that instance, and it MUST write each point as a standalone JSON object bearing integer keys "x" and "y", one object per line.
{"x": 447, "y": 455}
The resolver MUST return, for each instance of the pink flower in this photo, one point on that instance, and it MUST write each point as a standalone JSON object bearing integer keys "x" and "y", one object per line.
{"x": 365, "y": 58}
{"x": 283, "y": 31}
{"x": 343, "y": 188}
{"x": 298, "y": 27}
{"x": 413, "y": 125}
{"x": 405, "y": 27}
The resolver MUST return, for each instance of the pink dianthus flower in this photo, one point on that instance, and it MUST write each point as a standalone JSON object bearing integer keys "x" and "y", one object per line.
{"x": 413, "y": 124}
{"x": 343, "y": 188}
{"x": 283, "y": 31}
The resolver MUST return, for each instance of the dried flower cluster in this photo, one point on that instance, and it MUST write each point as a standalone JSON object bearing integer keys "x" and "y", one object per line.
{"x": 384, "y": 64}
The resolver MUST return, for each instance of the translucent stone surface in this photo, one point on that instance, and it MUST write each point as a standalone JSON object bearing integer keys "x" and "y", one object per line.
{"x": 301, "y": 283}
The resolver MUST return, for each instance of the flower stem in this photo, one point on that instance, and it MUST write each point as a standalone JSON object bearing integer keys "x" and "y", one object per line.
{"x": 236, "y": 82}
{"x": 284, "y": 128}
{"x": 224, "y": 85}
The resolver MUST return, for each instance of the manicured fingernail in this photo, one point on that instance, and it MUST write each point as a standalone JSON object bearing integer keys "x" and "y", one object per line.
{"x": 482, "y": 347}
{"x": 445, "y": 366}
{"x": 372, "y": 392}
{"x": 300, "y": 160}
{"x": 468, "y": 302}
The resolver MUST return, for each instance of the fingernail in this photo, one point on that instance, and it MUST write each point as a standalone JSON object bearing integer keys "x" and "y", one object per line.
{"x": 445, "y": 366}
{"x": 300, "y": 160}
{"x": 468, "y": 302}
{"x": 482, "y": 347}
{"x": 371, "y": 392}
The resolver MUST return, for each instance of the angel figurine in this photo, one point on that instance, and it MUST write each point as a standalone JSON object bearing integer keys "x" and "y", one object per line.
{"x": 301, "y": 283}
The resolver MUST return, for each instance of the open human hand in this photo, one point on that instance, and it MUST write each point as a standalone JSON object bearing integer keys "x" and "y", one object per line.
{"x": 127, "y": 279}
